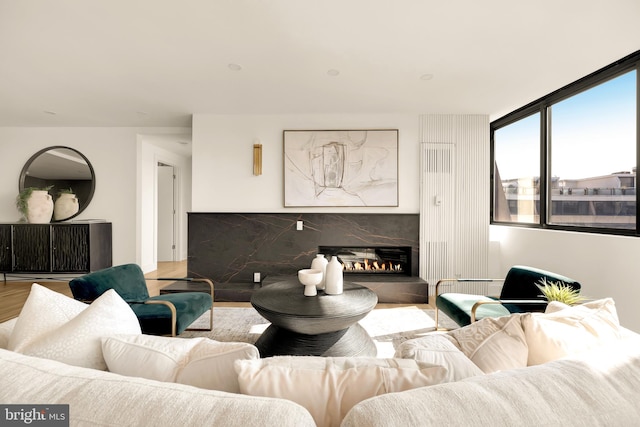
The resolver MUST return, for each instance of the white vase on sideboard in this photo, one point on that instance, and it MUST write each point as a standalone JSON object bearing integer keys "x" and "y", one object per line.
{"x": 39, "y": 207}
{"x": 65, "y": 206}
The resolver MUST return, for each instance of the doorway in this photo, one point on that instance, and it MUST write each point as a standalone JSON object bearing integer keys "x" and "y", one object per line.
{"x": 166, "y": 232}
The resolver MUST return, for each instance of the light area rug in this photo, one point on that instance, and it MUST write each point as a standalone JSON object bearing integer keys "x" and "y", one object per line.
{"x": 388, "y": 327}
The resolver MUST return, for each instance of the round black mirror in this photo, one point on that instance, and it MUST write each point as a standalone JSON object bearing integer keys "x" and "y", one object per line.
{"x": 64, "y": 170}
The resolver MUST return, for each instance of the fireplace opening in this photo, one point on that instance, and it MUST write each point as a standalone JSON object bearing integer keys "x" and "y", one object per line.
{"x": 371, "y": 260}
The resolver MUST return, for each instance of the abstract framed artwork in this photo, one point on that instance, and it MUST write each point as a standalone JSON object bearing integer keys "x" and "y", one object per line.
{"x": 340, "y": 168}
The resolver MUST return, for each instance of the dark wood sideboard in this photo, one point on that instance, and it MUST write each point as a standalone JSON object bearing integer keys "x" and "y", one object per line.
{"x": 65, "y": 247}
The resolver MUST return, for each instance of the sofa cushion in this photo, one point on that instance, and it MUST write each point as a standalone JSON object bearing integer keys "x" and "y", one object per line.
{"x": 438, "y": 350}
{"x": 43, "y": 311}
{"x": 99, "y": 398}
{"x": 554, "y": 306}
{"x": 41, "y": 329}
{"x": 570, "y": 331}
{"x": 594, "y": 389}
{"x": 6, "y": 328}
{"x": 200, "y": 362}
{"x": 329, "y": 386}
{"x": 493, "y": 344}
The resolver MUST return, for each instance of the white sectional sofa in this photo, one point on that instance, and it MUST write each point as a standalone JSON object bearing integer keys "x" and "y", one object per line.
{"x": 596, "y": 389}
{"x": 99, "y": 398}
{"x": 570, "y": 366}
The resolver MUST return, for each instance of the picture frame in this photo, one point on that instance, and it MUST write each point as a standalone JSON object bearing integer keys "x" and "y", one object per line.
{"x": 340, "y": 168}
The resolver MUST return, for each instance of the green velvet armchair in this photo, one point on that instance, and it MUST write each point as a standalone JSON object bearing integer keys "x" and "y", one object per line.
{"x": 519, "y": 295}
{"x": 168, "y": 314}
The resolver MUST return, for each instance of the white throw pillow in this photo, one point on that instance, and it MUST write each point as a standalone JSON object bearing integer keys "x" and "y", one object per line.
{"x": 330, "y": 386}
{"x": 43, "y": 311}
{"x": 554, "y": 306}
{"x": 199, "y": 362}
{"x": 570, "y": 331}
{"x": 438, "y": 350}
{"x": 77, "y": 341}
{"x": 493, "y": 343}
{"x": 6, "y": 328}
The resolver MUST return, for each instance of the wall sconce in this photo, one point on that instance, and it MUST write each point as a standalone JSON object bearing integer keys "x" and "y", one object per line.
{"x": 257, "y": 159}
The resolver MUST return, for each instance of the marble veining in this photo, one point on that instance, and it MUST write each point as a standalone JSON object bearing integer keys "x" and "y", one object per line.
{"x": 230, "y": 247}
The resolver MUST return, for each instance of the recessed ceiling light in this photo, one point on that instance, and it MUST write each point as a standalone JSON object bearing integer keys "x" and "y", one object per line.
{"x": 235, "y": 67}
{"x": 332, "y": 72}
{"x": 426, "y": 77}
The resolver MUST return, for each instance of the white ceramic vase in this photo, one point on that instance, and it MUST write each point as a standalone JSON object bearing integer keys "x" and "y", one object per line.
{"x": 333, "y": 277}
{"x": 320, "y": 263}
{"x": 39, "y": 207}
{"x": 310, "y": 279}
{"x": 66, "y": 206}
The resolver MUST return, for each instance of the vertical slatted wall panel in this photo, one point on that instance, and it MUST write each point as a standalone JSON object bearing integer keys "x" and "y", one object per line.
{"x": 438, "y": 208}
{"x": 454, "y": 235}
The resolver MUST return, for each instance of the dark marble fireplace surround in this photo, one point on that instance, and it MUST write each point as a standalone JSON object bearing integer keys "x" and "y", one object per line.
{"x": 230, "y": 247}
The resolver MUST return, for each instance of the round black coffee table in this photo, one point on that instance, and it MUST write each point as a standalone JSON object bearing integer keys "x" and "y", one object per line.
{"x": 323, "y": 325}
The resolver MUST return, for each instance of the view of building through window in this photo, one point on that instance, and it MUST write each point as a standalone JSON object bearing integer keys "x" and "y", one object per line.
{"x": 591, "y": 160}
{"x": 593, "y": 154}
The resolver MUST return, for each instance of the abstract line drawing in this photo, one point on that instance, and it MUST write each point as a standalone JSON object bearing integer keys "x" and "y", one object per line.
{"x": 340, "y": 168}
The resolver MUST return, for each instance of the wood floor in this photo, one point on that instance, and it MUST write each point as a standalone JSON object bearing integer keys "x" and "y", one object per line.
{"x": 13, "y": 293}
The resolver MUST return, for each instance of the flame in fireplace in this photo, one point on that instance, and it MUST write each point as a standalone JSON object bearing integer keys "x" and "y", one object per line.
{"x": 367, "y": 265}
{"x": 372, "y": 259}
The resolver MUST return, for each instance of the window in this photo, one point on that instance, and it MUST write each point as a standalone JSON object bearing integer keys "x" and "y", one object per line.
{"x": 569, "y": 160}
{"x": 593, "y": 153}
{"x": 516, "y": 149}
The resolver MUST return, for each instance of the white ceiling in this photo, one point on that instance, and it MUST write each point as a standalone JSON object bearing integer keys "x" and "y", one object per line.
{"x": 157, "y": 62}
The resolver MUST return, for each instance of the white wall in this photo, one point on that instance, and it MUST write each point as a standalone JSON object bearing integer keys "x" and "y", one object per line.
{"x": 113, "y": 153}
{"x": 222, "y": 161}
{"x": 606, "y": 266}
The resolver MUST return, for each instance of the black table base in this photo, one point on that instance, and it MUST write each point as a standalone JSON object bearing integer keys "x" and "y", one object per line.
{"x": 353, "y": 341}
{"x": 322, "y": 325}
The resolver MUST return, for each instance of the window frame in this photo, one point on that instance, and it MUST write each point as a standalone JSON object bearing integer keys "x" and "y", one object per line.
{"x": 542, "y": 106}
